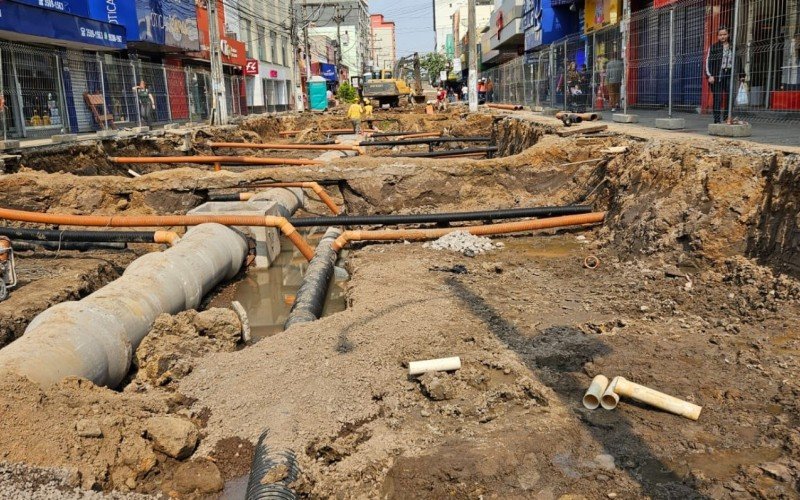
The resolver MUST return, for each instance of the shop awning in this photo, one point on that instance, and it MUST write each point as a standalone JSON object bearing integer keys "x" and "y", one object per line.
{"x": 27, "y": 23}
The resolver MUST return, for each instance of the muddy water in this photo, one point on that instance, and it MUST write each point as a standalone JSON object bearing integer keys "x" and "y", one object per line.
{"x": 268, "y": 294}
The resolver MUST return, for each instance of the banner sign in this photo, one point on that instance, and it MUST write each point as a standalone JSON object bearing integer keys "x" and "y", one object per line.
{"x": 50, "y": 23}
{"x": 251, "y": 67}
{"x": 328, "y": 71}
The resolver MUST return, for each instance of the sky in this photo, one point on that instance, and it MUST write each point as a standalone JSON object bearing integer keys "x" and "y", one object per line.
{"x": 413, "y": 20}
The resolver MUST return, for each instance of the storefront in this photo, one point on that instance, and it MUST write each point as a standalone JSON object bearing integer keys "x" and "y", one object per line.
{"x": 36, "y": 84}
{"x": 197, "y": 78}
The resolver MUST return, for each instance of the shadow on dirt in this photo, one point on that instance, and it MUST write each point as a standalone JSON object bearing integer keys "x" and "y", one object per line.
{"x": 557, "y": 356}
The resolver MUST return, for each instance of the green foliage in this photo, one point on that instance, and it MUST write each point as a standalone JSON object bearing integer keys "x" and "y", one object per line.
{"x": 434, "y": 63}
{"x": 347, "y": 93}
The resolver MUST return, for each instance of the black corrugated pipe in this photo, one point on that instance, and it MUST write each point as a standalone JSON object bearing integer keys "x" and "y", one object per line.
{"x": 441, "y": 218}
{"x": 68, "y": 245}
{"x": 393, "y": 134}
{"x": 449, "y": 152}
{"x": 263, "y": 462}
{"x": 224, "y": 197}
{"x": 430, "y": 140}
{"x": 72, "y": 235}
{"x": 310, "y": 298}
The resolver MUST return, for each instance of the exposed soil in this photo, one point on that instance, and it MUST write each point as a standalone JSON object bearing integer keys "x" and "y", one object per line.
{"x": 696, "y": 295}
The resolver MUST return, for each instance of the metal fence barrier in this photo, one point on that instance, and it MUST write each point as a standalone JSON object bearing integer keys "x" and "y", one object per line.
{"x": 660, "y": 65}
{"x": 54, "y": 91}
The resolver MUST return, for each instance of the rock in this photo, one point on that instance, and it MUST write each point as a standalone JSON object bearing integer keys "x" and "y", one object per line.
{"x": 220, "y": 324}
{"x": 176, "y": 437}
{"x": 605, "y": 461}
{"x": 438, "y": 387}
{"x": 644, "y": 308}
{"x": 673, "y": 272}
{"x": 777, "y": 471}
{"x": 201, "y": 476}
{"x": 275, "y": 474}
{"x": 463, "y": 242}
{"x": 88, "y": 428}
{"x": 122, "y": 204}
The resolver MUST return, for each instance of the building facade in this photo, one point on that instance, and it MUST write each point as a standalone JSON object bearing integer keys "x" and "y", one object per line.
{"x": 347, "y": 23}
{"x": 443, "y": 25}
{"x": 383, "y": 43}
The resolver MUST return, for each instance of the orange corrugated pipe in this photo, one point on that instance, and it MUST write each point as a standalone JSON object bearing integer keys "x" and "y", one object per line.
{"x": 486, "y": 229}
{"x": 274, "y": 145}
{"x": 162, "y": 221}
{"x": 167, "y": 237}
{"x": 247, "y": 160}
{"x": 316, "y": 187}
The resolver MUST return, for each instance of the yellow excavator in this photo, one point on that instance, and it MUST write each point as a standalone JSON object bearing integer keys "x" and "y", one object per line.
{"x": 386, "y": 86}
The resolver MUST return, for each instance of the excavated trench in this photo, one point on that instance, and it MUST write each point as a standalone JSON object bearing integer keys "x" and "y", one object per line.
{"x": 695, "y": 295}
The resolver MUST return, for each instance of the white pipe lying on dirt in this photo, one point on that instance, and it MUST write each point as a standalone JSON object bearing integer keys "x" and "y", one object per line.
{"x": 95, "y": 337}
{"x": 434, "y": 365}
{"x": 621, "y": 386}
{"x": 609, "y": 399}
{"x": 591, "y": 399}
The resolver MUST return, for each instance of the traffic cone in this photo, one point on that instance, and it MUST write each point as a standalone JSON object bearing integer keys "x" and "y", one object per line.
{"x": 599, "y": 102}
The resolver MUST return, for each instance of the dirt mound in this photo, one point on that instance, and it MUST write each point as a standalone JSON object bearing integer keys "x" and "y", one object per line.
{"x": 170, "y": 351}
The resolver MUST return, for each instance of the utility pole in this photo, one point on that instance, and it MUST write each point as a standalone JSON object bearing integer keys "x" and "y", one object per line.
{"x": 473, "y": 58}
{"x": 298, "y": 92}
{"x": 219, "y": 104}
{"x": 338, "y": 18}
{"x": 307, "y": 43}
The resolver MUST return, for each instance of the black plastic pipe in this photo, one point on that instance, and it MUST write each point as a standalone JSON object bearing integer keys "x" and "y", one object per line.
{"x": 310, "y": 299}
{"x": 449, "y": 152}
{"x": 78, "y": 236}
{"x": 440, "y": 218}
{"x": 393, "y": 134}
{"x": 425, "y": 140}
{"x": 265, "y": 461}
{"x": 82, "y": 246}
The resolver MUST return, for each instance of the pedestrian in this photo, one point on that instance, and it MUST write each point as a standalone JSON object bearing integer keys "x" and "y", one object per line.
{"x": 489, "y": 90}
{"x": 481, "y": 91}
{"x": 720, "y": 67}
{"x": 441, "y": 97}
{"x": 354, "y": 114}
{"x": 614, "y": 70}
{"x": 147, "y": 104}
{"x": 465, "y": 92}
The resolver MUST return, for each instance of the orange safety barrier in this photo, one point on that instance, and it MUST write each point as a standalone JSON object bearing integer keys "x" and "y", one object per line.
{"x": 483, "y": 230}
{"x": 162, "y": 221}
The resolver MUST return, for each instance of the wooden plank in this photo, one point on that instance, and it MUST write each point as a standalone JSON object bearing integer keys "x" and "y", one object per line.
{"x": 581, "y": 130}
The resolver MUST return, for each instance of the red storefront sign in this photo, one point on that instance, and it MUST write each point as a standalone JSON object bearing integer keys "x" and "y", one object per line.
{"x": 251, "y": 67}
{"x": 233, "y": 51}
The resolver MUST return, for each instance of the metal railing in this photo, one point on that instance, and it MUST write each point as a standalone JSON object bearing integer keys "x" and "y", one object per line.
{"x": 54, "y": 91}
{"x": 660, "y": 64}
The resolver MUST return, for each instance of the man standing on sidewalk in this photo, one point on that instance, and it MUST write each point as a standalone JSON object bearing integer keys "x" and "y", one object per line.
{"x": 146, "y": 103}
{"x": 614, "y": 70}
{"x": 720, "y": 65}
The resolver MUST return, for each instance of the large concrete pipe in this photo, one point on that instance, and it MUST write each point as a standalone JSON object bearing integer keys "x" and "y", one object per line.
{"x": 94, "y": 338}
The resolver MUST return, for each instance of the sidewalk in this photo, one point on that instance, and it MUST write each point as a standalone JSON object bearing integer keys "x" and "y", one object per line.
{"x": 783, "y": 134}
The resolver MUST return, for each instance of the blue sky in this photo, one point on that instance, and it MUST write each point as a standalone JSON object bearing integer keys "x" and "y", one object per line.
{"x": 413, "y": 21}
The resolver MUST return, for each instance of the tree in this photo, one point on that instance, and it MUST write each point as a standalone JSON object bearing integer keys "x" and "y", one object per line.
{"x": 347, "y": 93}
{"x": 434, "y": 63}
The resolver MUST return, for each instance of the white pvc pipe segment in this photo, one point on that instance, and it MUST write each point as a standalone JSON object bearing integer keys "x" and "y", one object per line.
{"x": 591, "y": 399}
{"x": 434, "y": 365}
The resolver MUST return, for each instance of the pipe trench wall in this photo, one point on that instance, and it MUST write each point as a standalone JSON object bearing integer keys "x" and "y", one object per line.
{"x": 94, "y": 338}
{"x": 513, "y": 136}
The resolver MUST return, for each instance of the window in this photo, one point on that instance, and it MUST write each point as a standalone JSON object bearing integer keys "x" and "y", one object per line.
{"x": 262, "y": 43}
{"x": 274, "y": 41}
{"x": 247, "y": 35}
{"x": 284, "y": 51}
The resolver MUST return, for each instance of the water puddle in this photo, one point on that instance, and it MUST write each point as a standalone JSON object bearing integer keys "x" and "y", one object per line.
{"x": 268, "y": 294}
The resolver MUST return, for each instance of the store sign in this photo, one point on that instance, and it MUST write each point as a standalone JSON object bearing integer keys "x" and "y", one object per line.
{"x": 273, "y": 73}
{"x": 172, "y": 23}
{"x": 601, "y": 13}
{"x": 74, "y": 7}
{"x": 48, "y": 23}
{"x": 328, "y": 71}
{"x": 233, "y": 51}
{"x": 663, "y": 3}
{"x": 251, "y": 67}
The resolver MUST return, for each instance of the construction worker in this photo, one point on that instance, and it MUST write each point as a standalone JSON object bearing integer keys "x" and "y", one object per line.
{"x": 368, "y": 113}
{"x": 354, "y": 114}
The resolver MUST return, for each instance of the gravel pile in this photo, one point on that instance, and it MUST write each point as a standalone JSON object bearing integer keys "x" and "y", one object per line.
{"x": 33, "y": 483}
{"x": 464, "y": 243}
